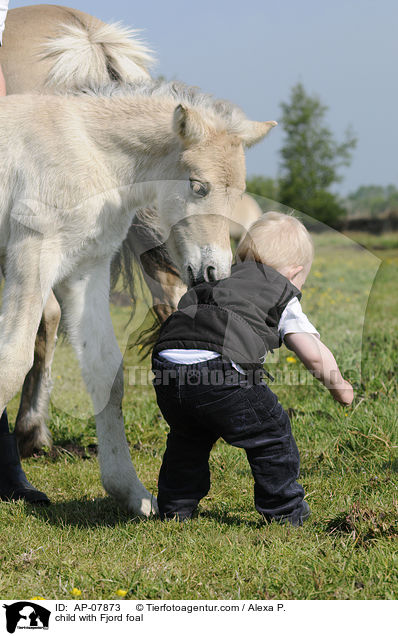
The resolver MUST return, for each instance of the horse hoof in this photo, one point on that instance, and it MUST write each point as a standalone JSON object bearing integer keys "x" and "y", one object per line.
{"x": 32, "y": 436}
{"x": 149, "y": 507}
{"x": 143, "y": 507}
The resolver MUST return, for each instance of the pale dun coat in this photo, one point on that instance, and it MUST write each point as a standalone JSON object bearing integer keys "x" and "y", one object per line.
{"x": 77, "y": 169}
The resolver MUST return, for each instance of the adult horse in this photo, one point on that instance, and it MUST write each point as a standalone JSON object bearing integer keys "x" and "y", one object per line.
{"x": 180, "y": 150}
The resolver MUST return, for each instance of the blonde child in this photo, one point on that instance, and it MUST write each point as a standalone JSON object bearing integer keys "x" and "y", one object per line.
{"x": 208, "y": 371}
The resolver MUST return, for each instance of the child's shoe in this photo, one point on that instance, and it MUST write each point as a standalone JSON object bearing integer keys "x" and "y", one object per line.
{"x": 296, "y": 518}
{"x": 303, "y": 515}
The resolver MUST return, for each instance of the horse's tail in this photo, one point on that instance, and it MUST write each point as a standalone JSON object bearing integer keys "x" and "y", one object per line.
{"x": 87, "y": 53}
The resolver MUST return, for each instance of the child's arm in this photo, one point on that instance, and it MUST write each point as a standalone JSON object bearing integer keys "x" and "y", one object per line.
{"x": 317, "y": 358}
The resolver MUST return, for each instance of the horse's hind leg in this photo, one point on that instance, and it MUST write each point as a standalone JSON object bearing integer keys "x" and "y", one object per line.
{"x": 31, "y": 428}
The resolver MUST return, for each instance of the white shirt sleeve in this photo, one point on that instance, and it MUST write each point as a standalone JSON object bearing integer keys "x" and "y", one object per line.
{"x": 3, "y": 15}
{"x": 294, "y": 320}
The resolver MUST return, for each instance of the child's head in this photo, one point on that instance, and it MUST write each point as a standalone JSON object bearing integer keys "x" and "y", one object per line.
{"x": 282, "y": 242}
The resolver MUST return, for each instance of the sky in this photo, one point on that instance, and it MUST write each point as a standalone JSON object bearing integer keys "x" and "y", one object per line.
{"x": 253, "y": 51}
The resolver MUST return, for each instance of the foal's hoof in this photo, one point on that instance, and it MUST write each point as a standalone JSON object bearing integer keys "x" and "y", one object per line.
{"x": 143, "y": 507}
{"x": 147, "y": 507}
{"x": 32, "y": 434}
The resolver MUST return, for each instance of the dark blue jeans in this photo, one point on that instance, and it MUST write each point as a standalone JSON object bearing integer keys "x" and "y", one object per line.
{"x": 205, "y": 401}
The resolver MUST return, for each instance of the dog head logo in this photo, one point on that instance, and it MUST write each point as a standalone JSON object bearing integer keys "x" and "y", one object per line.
{"x": 26, "y": 615}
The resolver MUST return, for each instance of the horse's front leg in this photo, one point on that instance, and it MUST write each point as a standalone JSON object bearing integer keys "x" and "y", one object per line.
{"x": 31, "y": 428}
{"x": 27, "y": 286}
{"x": 165, "y": 285}
{"x": 85, "y": 308}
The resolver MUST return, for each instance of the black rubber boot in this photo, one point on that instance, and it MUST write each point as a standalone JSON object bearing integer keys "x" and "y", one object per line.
{"x": 13, "y": 482}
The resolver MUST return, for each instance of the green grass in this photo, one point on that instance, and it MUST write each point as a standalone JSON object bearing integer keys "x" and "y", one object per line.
{"x": 348, "y": 548}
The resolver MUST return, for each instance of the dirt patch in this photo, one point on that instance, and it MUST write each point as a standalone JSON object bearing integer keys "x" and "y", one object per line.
{"x": 365, "y": 524}
{"x": 70, "y": 448}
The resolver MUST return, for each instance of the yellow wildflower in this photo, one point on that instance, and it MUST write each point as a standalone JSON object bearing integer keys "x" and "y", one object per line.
{"x": 76, "y": 592}
{"x": 121, "y": 593}
{"x": 37, "y": 598}
{"x": 291, "y": 359}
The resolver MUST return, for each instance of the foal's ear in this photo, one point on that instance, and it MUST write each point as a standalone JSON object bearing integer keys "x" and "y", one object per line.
{"x": 188, "y": 125}
{"x": 252, "y": 132}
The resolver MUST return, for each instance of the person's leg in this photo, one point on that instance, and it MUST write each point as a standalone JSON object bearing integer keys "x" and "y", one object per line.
{"x": 184, "y": 477}
{"x": 262, "y": 428}
{"x": 13, "y": 482}
{"x": 4, "y": 423}
{"x": 3, "y": 89}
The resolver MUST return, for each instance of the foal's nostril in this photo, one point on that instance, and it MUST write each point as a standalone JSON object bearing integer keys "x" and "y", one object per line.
{"x": 207, "y": 274}
{"x": 210, "y": 274}
{"x": 191, "y": 277}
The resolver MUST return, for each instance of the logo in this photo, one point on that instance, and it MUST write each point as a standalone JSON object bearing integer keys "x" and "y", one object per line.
{"x": 26, "y": 615}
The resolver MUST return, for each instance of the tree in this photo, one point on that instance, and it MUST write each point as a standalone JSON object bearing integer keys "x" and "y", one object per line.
{"x": 373, "y": 200}
{"x": 263, "y": 186}
{"x": 311, "y": 158}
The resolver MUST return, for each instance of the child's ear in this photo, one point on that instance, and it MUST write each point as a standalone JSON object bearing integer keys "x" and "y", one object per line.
{"x": 294, "y": 271}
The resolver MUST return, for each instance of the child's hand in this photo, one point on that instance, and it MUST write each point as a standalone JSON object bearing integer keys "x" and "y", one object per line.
{"x": 344, "y": 394}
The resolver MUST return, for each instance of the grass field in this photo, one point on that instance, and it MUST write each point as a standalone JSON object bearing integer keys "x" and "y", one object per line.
{"x": 348, "y": 548}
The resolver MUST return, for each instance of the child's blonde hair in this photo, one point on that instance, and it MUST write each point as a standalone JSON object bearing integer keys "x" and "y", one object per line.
{"x": 278, "y": 240}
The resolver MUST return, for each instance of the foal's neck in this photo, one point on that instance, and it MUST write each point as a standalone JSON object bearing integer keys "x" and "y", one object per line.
{"x": 136, "y": 134}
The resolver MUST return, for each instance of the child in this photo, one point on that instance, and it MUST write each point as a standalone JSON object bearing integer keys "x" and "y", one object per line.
{"x": 208, "y": 371}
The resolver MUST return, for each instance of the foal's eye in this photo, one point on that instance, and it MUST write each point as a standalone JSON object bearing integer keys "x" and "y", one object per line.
{"x": 199, "y": 188}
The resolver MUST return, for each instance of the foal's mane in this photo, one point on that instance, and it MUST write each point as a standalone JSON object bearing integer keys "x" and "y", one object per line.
{"x": 180, "y": 93}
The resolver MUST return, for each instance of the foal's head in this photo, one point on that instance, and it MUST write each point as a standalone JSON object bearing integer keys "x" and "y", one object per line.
{"x": 195, "y": 208}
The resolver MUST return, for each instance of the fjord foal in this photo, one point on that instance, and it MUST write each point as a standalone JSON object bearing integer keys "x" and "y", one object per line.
{"x": 77, "y": 170}
{"x": 47, "y": 49}
{"x": 51, "y": 49}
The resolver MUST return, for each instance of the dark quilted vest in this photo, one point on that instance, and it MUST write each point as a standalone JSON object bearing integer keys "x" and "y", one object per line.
{"x": 237, "y": 316}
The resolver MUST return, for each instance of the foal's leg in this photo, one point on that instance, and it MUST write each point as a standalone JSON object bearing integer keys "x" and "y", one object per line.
{"x": 165, "y": 285}
{"x": 85, "y": 308}
{"x": 27, "y": 285}
{"x": 158, "y": 270}
{"x": 30, "y": 428}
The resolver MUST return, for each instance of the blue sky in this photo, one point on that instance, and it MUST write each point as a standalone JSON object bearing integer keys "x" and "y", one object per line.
{"x": 253, "y": 51}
